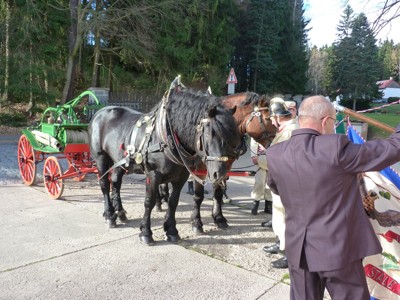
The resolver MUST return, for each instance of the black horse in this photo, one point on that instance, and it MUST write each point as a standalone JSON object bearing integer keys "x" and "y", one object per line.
{"x": 252, "y": 117}
{"x": 186, "y": 132}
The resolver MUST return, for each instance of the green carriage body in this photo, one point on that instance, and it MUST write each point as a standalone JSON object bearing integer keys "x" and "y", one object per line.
{"x": 65, "y": 123}
{"x": 61, "y": 133}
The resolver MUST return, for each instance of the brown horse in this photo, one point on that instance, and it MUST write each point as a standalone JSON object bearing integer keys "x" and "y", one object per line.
{"x": 252, "y": 117}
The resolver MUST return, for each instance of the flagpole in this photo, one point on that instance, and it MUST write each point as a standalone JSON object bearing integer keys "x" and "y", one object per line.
{"x": 363, "y": 118}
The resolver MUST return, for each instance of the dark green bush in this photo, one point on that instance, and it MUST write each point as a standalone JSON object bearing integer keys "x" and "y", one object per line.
{"x": 13, "y": 120}
{"x": 393, "y": 99}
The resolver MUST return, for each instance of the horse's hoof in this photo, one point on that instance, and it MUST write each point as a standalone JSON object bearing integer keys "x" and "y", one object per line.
{"x": 197, "y": 230}
{"x": 111, "y": 223}
{"x": 227, "y": 201}
{"x": 122, "y": 218}
{"x": 222, "y": 225}
{"x": 158, "y": 208}
{"x": 173, "y": 238}
{"x": 147, "y": 240}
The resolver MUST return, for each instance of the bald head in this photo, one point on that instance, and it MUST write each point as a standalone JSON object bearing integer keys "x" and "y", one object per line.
{"x": 314, "y": 111}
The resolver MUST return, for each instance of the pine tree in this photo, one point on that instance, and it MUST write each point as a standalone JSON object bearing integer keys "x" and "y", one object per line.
{"x": 270, "y": 53}
{"x": 293, "y": 58}
{"x": 355, "y": 66}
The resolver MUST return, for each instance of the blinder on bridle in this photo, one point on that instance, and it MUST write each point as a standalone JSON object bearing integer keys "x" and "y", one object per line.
{"x": 257, "y": 113}
{"x": 204, "y": 135}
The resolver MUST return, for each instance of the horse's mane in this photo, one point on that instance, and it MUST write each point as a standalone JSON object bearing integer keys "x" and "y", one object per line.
{"x": 254, "y": 99}
{"x": 186, "y": 109}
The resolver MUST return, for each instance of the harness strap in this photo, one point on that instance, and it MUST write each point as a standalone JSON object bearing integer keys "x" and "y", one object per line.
{"x": 198, "y": 179}
{"x": 117, "y": 164}
{"x": 159, "y": 147}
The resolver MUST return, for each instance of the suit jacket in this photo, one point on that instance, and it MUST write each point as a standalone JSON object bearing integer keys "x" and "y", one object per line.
{"x": 316, "y": 177}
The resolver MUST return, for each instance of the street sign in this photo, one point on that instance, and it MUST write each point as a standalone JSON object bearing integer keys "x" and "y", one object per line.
{"x": 232, "y": 77}
{"x": 231, "y": 88}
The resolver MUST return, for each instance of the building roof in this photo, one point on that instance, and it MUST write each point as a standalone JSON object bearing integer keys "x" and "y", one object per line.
{"x": 390, "y": 83}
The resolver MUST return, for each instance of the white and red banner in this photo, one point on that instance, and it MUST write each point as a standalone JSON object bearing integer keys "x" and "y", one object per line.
{"x": 381, "y": 199}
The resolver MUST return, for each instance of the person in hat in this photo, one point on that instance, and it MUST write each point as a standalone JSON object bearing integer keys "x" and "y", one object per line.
{"x": 260, "y": 190}
{"x": 284, "y": 117}
{"x": 327, "y": 232}
{"x": 292, "y": 107}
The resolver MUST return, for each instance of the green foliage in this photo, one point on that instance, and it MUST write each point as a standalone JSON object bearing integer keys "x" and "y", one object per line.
{"x": 393, "y": 99}
{"x": 195, "y": 41}
{"x": 143, "y": 45}
{"x": 293, "y": 57}
{"x": 362, "y": 104}
{"x": 270, "y": 53}
{"x": 12, "y": 120}
{"x": 355, "y": 66}
{"x": 37, "y": 48}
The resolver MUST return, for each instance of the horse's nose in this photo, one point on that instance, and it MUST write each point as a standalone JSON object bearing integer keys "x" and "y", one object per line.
{"x": 215, "y": 176}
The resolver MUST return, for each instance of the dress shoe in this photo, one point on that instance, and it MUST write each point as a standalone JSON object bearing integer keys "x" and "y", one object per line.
{"x": 272, "y": 249}
{"x": 268, "y": 207}
{"x": 281, "y": 263}
{"x": 267, "y": 224}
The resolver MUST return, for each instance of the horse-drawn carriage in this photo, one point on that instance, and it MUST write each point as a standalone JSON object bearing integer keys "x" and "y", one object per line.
{"x": 61, "y": 134}
{"x": 188, "y": 132}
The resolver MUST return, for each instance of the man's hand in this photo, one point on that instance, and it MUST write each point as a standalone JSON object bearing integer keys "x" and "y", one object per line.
{"x": 254, "y": 159}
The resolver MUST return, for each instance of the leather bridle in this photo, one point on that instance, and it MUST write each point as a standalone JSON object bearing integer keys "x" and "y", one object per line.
{"x": 257, "y": 114}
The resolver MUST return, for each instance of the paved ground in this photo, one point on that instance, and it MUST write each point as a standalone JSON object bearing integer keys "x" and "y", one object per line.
{"x": 61, "y": 249}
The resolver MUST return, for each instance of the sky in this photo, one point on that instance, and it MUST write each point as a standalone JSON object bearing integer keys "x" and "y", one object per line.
{"x": 324, "y": 16}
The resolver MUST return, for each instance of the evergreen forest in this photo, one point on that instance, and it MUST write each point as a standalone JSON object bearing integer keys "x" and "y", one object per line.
{"x": 55, "y": 49}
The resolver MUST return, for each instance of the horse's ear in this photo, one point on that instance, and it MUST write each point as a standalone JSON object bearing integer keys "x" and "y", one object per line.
{"x": 212, "y": 111}
{"x": 264, "y": 101}
{"x": 233, "y": 109}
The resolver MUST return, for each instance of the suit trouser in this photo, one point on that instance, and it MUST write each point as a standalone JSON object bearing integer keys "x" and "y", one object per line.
{"x": 278, "y": 220}
{"x": 346, "y": 283}
{"x": 260, "y": 191}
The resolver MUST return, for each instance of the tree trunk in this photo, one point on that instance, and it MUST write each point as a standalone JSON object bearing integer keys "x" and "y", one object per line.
{"x": 31, "y": 104}
{"x": 4, "y": 96}
{"x": 74, "y": 41}
{"x": 110, "y": 72}
{"x": 258, "y": 50}
{"x": 95, "y": 71}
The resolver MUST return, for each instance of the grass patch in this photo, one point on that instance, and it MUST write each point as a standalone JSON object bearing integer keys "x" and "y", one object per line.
{"x": 389, "y": 115}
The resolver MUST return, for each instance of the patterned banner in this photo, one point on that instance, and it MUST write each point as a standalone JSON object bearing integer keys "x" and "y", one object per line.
{"x": 381, "y": 199}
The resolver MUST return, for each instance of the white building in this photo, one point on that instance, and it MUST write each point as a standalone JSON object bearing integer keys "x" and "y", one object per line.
{"x": 389, "y": 88}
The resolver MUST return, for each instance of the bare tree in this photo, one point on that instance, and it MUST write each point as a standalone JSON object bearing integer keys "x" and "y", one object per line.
{"x": 318, "y": 71}
{"x": 74, "y": 43}
{"x": 123, "y": 28}
{"x": 388, "y": 10}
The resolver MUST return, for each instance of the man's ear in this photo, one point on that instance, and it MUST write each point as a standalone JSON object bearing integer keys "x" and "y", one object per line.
{"x": 324, "y": 120}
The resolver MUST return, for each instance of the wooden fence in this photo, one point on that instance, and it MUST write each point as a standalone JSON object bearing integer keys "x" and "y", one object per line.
{"x": 140, "y": 102}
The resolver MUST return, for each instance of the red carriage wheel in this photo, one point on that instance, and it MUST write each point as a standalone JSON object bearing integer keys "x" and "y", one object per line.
{"x": 51, "y": 173}
{"x": 26, "y": 161}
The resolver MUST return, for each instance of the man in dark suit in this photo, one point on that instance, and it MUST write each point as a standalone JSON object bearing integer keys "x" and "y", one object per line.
{"x": 327, "y": 230}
